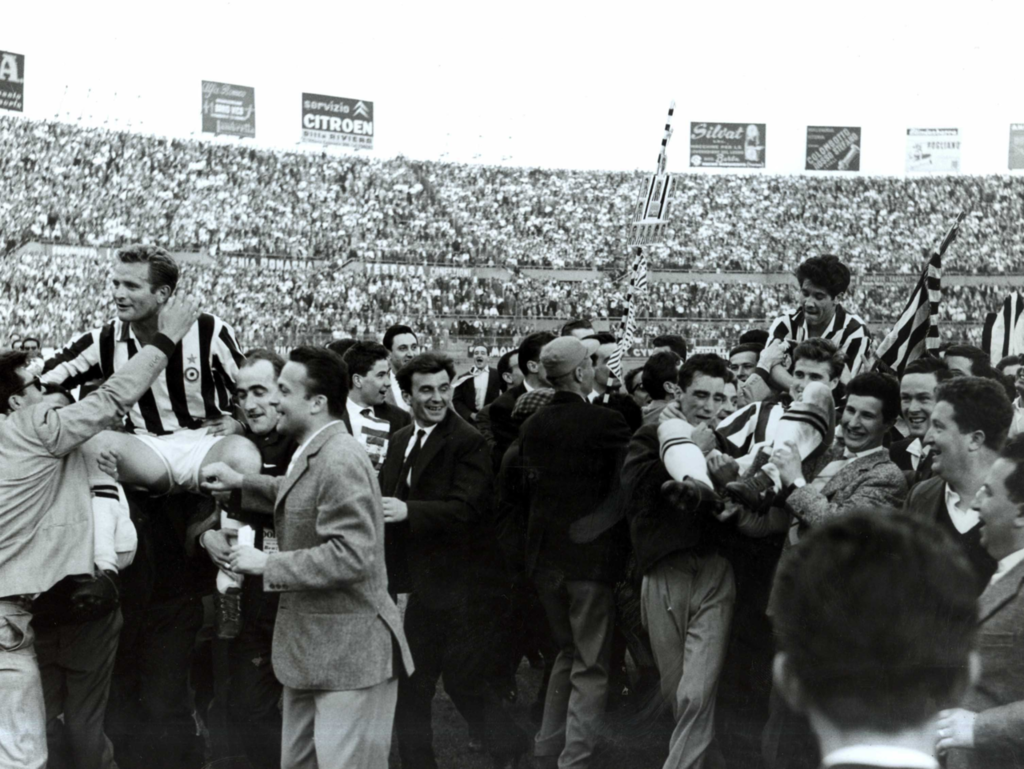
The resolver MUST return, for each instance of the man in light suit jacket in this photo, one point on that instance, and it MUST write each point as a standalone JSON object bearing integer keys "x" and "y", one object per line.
{"x": 966, "y": 430}
{"x": 874, "y": 624}
{"x": 987, "y": 731}
{"x": 338, "y": 642}
{"x": 443, "y": 550}
{"x": 477, "y": 388}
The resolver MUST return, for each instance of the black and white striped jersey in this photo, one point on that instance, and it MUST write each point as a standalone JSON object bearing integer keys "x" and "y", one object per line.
{"x": 198, "y": 383}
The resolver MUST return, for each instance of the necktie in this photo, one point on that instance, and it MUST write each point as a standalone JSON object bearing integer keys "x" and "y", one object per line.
{"x": 402, "y": 491}
{"x": 366, "y": 413}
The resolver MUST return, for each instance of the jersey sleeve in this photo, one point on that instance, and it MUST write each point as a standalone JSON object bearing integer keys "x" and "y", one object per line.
{"x": 76, "y": 364}
{"x": 225, "y": 350}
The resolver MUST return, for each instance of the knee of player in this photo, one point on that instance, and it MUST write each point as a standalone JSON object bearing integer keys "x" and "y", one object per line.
{"x": 241, "y": 455}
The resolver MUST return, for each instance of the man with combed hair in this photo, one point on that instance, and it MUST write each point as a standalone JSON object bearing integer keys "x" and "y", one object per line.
{"x": 477, "y": 388}
{"x": 658, "y": 376}
{"x": 368, "y": 416}
{"x": 966, "y": 430}
{"x": 823, "y": 283}
{"x": 47, "y": 523}
{"x": 920, "y": 379}
{"x": 987, "y": 730}
{"x": 338, "y": 643}
{"x": 402, "y": 345}
{"x": 874, "y": 622}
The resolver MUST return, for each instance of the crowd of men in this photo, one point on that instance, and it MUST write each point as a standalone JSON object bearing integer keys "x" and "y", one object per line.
{"x": 808, "y": 559}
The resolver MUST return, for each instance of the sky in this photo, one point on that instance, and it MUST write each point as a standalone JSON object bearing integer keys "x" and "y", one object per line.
{"x": 551, "y": 84}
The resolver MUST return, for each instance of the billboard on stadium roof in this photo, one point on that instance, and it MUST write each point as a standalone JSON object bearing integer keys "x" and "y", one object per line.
{"x": 727, "y": 145}
{"x": 229, "y": 109}
{"x": 933, "y": 151}
{"x": 337, "y": 120}
{"x": 12, "y": 81}
{"x": 1016, "y": 146}
{"x": 833, "y": 148}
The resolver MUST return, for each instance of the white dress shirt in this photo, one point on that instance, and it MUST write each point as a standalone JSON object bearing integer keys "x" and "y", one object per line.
{"x": 880, "y": 756}
{"x": 480, "y": 379}
{"x": 412, "y": 443}
{"x": 396, "y": 393}
{"x": 306, "y": 442}
{"x": 917, "y": 452}
{"x": 1005, "y": 564}
{"x": 963, "y": 520}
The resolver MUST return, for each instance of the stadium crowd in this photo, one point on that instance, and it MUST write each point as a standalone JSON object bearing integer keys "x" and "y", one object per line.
{"x": 809, "y": 555}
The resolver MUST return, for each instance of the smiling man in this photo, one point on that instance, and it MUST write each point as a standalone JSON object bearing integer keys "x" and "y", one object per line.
{"x": 988, "y": 729}
{"x": 967, "y": 428}
{"x": 368, "y": 416}
{"x": 402, "y": 345}
{"x": 917, "y": 399}
{"x": 477, "y": 388}
{"x": 823, "y": 282}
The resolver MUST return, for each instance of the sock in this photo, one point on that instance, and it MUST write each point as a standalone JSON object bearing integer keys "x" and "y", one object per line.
{"x": 682, "y": 457}
{"x": 106, "y": 509}
{"x": 810, "y": 423}
{"x": 229, "y": 526}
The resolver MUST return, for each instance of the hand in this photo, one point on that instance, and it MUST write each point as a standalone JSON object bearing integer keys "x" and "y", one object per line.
{"x": 217, "y": 546}
{"x": 224, "y": 425}
{"x": 704, "y": 437}
{"x": 787, "y": 460}
{"x": 107, "y": 462}
{"x": 723, "y": 469}
{"x": 773, "y": 355}
{"x": 955, "y": 729}
{"x": 218, "y": 477}
{"x": 247, "y": 560}
{"x": 177, "y": 316}
{"x": 395, "y": 510}
{"x": 672, "y": 411}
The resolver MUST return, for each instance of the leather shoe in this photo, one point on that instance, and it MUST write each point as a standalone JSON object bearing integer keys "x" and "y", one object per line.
{"x": 755, "y": 492}
{"x": 690, "y": 494}
{"x": 95, "y": 597}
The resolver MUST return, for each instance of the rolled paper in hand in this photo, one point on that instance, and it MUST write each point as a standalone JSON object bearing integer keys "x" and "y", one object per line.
{"x": 247, "y": 536}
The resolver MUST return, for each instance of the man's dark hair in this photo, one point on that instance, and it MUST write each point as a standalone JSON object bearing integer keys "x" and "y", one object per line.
{"x": 424, "y": 363}
{"x": 10, "y": 382}
{"x": 261, "y": 353}
{"x": 361, "y": 358}
{"x": 326, "y": 374}
{"x": 391, "y": 333}
{"x": 825, "y": 271}
{"x": 980, "y": 362}
{"x": 572, "y": 325}
{"x": 28, "y": 339}
{"x": 504, "y": 367}
{"x": 1013, "y": 451}
{"x": 746, "y": 347}
{"x": 707, "y": 364}
{"x": 660, "y": 368}
{"x": 601, "y": 337}
{"x": 755, "y": 336}
{"x": 631, "y": 377}
{"x": 978, "y": 404}
{"x": 163, "y": 270}
{"x": 886, "y": 388}
{"x": 341, "y": 346}
{"x": 674, "y": 342}
{"x": 530, "y": 347}
{"x": 1009, "y": 360}
{"x": 926, "y": 364}
{"x": 821, "y": 351}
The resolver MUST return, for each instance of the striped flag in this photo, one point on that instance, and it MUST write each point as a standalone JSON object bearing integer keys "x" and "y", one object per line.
{"x": 1004, "y": 330}
{"x": 635, "y": 301}
{"x": 917, "y": 330}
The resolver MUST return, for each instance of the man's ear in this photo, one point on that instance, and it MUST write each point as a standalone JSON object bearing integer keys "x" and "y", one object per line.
{"x": 357, "y": 381}
{"x": 671, "y": 389}
{"x": 839, "y": 297}
{"x": 787, "y": 684}
{"x": 976, "y": 440}
{"x": 407, "y": 397}
{"x": 163, "y": 293}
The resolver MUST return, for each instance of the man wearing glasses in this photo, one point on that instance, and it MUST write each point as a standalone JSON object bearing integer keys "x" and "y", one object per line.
{"x": 46, "y": 526}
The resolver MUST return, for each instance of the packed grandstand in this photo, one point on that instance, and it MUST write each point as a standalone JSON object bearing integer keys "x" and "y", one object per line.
{"x": 327, "y": 224}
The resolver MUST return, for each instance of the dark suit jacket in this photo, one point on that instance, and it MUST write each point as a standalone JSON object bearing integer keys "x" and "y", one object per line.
{"x": 928, "y": 500}
{"x": 998, "y": 697}
{"x": 625, "y": 405}
{"x": 572, "y": 453}
{"x": 464, "y": 397}
{"x": 394, "y": 415}
{"x": 503, "y": 428}
{"x": 336, "y": 624}
{"x": 446, "y": 545}
{"x": 898, "y": 454}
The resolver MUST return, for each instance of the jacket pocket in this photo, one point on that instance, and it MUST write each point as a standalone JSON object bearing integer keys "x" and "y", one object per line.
{"x": 16, "y": 632}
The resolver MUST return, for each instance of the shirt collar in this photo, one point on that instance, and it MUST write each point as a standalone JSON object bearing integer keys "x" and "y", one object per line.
{"x": 881, "y": 756}
{"x": 528, "y": 387}
{"x": 1007, "y": 563}
{"x": 308, "y": 441}
{"x": 426, "y": 431}
{"x": 847, "y": 454}
{"x": 354, "y": 409}
{"x": 952, "y": 498}
{"x": 915, "y": 448}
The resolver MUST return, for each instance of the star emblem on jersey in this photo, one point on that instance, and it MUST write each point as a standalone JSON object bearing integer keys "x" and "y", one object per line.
{"x": 191, "y": 375}
{"x": 191, "y": 358}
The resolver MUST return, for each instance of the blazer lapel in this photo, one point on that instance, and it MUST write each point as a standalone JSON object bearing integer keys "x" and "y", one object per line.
{"x": 432, "y": 446}
{"x": 998, "y": 594}
{"x": 846, "y": 476}
{"x": 302, "y": 461}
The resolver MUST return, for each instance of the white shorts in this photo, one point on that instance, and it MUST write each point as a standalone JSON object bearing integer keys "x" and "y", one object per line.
{"x": 182, "y": 454}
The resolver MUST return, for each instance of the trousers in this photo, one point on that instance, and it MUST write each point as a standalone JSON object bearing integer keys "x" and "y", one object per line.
{"x": 23, "y": 715}
{"x": 687, "y": 603}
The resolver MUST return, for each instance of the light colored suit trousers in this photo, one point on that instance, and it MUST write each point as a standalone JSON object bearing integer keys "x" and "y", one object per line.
{"x": 338, "y": 730}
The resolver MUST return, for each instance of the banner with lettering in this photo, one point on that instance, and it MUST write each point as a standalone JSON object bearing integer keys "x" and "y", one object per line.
{"x": 832, "y": 148}
{"x": 1016, "y": 146}
{"x": 933, "y": 151}
{"x": 337, "y": 120}
{"x": 229, "y": 109}
{"x": 727, "y": 145}
{"x": 12, "y": 81}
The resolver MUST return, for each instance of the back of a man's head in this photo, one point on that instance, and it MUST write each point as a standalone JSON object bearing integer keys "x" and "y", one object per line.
{"x": 660, "y": 368}
{"x": 10, "y": 381}
{"x": 672, "y": 342}
{"x": 530, "y": 347}
{"x": 874, "y": 617}
{"x": 579, "y": 328}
